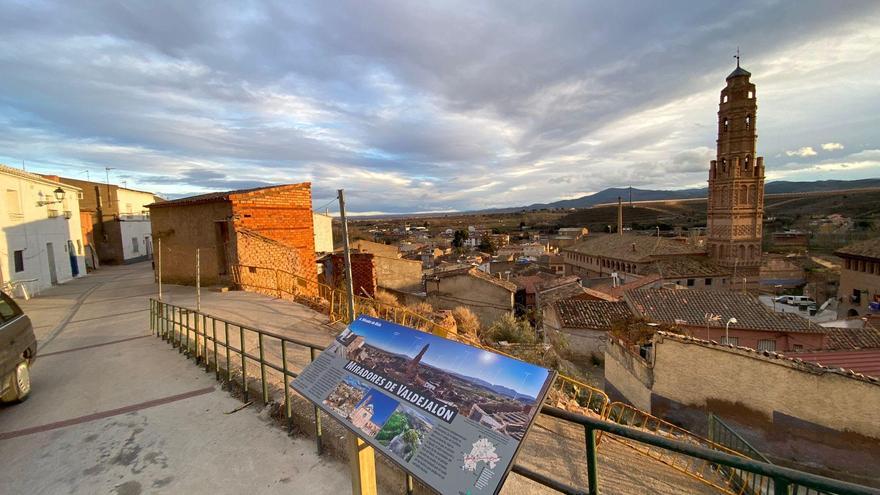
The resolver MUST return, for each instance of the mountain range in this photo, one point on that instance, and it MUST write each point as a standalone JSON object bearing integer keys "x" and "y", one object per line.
{"x": 610, "y": 195}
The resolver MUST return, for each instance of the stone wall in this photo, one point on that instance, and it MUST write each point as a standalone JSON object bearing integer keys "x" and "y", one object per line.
{"x": 398, "y": 274}
{"x": 798, "y": 414}
{"x": 628, "y": 377}
{"x": 575, "y": 343}
{"x": 184, "y": 228}
{"x": 487, "y": 300}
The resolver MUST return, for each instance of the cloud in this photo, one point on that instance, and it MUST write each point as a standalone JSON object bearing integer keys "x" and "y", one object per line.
{"x": 424, "y": 107}
{"x": 802, "y": 152}
{"x": 832, "y": 146}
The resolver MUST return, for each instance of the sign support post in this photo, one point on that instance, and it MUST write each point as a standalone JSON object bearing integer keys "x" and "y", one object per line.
{"x": 362, "y": 457}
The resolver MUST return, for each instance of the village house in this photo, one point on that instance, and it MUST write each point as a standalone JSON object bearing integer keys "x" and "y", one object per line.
{"x": 391, "y": 271}
{"x": 40, "y": 233}
{"x": 259, "y": 239}
{"x": 488, "y": 297}
{"x": 777, "y": 273}
{"x": 553, "y": 263}
{"x": 120, "y": 220}
{"x": 706, "y": 313}
{"x": 323, "y": 225}
{"x": 859, "y": 290}
{"x": 578, "y": 328}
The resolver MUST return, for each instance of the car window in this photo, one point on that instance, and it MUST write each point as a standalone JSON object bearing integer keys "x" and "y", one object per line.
{"x": 8, "y": 308}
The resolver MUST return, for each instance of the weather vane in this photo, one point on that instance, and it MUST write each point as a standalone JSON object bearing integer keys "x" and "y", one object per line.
{"x": 737, "y": 56}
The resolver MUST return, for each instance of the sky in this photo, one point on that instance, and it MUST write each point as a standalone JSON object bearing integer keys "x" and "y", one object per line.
{"x": 431, "y": 106}
{"x": 445, "y": 354}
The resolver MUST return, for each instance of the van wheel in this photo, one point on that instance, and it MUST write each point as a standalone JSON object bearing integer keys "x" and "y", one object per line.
{"x": 20, "y": 387}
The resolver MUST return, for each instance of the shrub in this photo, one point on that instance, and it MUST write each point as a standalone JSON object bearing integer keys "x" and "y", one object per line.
{"x": 510, "y": 329}
{"x": 467, "y": 322}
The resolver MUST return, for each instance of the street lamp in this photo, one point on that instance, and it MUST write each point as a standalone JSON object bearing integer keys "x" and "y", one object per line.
{"x": 727, "y": 328}
{"x": 59, "y": 197}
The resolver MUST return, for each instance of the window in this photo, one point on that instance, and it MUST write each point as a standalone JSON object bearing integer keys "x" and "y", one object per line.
{"x": 751, "y": 94}
{"x": 690, "y": 282}
{"x": 724, "y": 99}
{"x": 708, "y": 281}
{"x": 13, "y": 205}
{"x": 730, "y": 340}
{"x": 798, "y": 347}
{"x": 8, "y": 308}
{"x": 748, "y": 121}
{"x": 767, "y": 345}
{"x": 134, "y": 245}
{"x": 726, "y": 124}
{"x": 19, "y": 261}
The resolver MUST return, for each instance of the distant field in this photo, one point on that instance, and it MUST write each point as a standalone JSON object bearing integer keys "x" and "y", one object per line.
{"x": 790, "y": 210}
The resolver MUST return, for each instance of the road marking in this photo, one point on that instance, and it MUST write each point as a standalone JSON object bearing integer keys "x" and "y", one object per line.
{"x": 103, "y": 414}
{"x": 47, "y": 354}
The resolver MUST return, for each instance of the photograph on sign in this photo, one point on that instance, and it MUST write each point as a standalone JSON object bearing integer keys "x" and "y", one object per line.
{"x": 451, "y": 414}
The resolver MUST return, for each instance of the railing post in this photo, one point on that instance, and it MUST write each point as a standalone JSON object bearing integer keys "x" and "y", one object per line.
{"x": 318, "y": 430}
{"x": 205, "y": 343}
{"x": 592, "y": 471}
{"x": 216, "y": 361}
{"x": 186, "y": 327}
{"x": 228, "y": 353}
{"x": 781, "y": 486}
{"x": 263, "y": 369}
{"x": 244, "y": 384}
{"x": 195, "y": 335}
{"x": 285, "y": 385}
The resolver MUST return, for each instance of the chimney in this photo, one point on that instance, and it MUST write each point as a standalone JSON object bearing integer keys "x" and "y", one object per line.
{"x": 619, "y": 216}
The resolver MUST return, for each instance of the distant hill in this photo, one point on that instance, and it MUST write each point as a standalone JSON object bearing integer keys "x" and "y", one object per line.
{"x": 610, "y": 195}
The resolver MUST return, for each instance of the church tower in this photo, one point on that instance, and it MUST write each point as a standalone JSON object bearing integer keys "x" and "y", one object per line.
{"x": 735, "y": 208}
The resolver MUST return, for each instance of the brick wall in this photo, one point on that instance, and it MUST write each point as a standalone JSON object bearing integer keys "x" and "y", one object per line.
{"x": 282, "y": 214}
{"x": 363, "y": 273}
{"x": 266, "y": 266}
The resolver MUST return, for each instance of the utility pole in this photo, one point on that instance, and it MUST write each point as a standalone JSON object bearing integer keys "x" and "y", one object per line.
{"x": 198, "y": 282}
{"x": 346, "y": 253}
{"x": 362, "y": 457}
{"x": 159, "y": 267}
{"x": 619, "y": 216}
{"x": 109, "y": 200}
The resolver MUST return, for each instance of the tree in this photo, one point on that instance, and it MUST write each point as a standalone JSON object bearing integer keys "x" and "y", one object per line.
{"x": 458, "y": 238}
{"x": 486, "y": 246}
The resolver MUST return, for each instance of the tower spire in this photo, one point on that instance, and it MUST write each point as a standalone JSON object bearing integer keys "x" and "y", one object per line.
{"x": 737, "y": 57}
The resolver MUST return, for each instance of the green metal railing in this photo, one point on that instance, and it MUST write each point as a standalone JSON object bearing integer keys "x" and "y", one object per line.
{"x": 196, "y": 335}
{"x": 744, "y": 482}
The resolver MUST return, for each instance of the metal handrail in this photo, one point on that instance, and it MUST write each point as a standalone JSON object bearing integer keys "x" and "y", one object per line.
{"x": 167, "y": 322}
{"x": 784, "y": 478}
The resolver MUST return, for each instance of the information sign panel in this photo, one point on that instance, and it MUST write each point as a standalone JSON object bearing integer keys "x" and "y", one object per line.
{"x": 451, "y": 414}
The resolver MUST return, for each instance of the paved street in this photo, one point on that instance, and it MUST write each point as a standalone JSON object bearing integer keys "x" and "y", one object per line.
{"x": 115, "y": 410}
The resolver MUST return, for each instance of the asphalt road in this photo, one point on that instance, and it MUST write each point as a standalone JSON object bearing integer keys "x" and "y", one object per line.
{"x": 115, "y": 410}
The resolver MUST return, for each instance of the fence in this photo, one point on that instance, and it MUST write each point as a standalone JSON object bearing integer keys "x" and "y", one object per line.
{"x": 744, "y": 482}
{"x": 210, "y": 341}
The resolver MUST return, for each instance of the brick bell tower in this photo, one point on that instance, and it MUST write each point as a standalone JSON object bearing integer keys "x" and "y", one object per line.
{"x": 735, "y": 209}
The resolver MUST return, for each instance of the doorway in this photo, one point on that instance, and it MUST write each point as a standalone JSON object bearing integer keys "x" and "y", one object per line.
{"x": 74, "y": 264}
{"x": 53, "y": 275}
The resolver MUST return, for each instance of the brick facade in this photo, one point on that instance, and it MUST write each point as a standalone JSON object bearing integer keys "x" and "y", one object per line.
{"x": 245, "y": 237}
{"x": 363, "y": 272}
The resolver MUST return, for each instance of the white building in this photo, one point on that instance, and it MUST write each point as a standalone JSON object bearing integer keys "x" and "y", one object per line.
{"x": 40, "y": 232}
{"x": 134, "y": 224}
{"x": 323, "y": 227}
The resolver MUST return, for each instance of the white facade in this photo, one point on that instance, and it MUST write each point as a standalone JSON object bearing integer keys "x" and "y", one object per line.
{"x": 134, "y": 223}
{"x": 41, "y": 245}
{"x": 323, "y": 226}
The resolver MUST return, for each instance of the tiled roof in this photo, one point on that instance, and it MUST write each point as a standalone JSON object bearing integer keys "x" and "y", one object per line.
{"x": 541, "y": 281}
{"x": 864, "y": 249}
{"x": 866, "y": 361}
{"x": 867, "y": 337}
{"x": 568, "y": 291}
{"x": 476, "y": 272}
{"x": 216, "y": 196}
{"x": 595, "y": 315}
{"x": 632, "y": 247}
{"x": 794, "y": 362}
{"x": 685, "y": 267}
{"x": 619, "y": 291}
{"x": 692, "y": 305}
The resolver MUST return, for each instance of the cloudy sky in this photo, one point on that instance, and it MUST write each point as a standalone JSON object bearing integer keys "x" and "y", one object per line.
{"x": 429, "y": 106}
